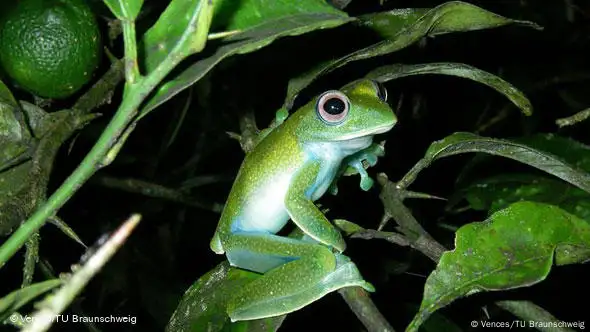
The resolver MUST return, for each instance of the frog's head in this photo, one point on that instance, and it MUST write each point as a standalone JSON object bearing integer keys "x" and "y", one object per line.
{"x": 357, "y": 111}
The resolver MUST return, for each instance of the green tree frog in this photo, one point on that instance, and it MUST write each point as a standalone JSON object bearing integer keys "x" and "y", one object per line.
{"x": 280, "y": 178}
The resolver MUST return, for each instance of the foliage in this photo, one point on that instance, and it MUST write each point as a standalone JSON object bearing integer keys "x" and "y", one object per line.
{"x": 184, "y": 74}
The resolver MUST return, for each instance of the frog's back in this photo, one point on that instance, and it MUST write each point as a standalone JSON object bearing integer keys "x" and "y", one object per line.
{"x": 256, "y": 199}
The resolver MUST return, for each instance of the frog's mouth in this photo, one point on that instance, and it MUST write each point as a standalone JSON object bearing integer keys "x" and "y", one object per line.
{"x": 366, "y": 133}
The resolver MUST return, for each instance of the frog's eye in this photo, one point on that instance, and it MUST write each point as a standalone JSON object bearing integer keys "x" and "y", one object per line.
{"x": 381, "y": 91}
{"x": 332, "y": 107}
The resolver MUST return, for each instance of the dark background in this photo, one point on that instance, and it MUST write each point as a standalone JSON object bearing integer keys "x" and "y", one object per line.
{"x": 170, "y": 248}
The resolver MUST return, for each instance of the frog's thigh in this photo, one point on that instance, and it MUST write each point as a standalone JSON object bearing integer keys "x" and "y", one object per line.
{"x": 294, "y": 266}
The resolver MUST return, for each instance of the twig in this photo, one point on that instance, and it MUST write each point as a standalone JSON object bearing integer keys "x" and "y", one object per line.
{"x": 564, "y": 79}
{"x": 392, "y": 237}
{"x": 31, "y": 258}
{"x": 154, "y": 190}
{"x": 573, "y": 119}
{"x": 529, "y": 311}
{"x": 58, "y": 302}
{"x": 102, "y": 91}
{"x": 503, "y": 114}
{"x": 365, "y": 310}
{"x": 204, "y": 180}
{"x": 66, "y": 229}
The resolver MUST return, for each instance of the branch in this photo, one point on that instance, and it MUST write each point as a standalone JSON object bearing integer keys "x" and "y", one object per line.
{"x": 365, "y": 310}
{"x": 157, "y": 191}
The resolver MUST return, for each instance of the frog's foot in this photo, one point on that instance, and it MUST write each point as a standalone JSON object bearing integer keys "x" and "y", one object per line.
{"x": 345, "y": 275}
{"x": 356, "y": 164}
{"x": 371, "y": 154}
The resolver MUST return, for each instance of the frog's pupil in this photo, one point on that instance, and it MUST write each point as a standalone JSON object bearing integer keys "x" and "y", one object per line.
{"x": 334, "y": 106}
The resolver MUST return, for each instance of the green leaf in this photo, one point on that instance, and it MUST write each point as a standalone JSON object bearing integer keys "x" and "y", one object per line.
{"x": 389, "y": 23}
{"x": 245, "y": 42}
{"x": 454, "y": 16}
{"x": 67, "y": 230}
{"x": 202, "y": 308}
{"x": 387, "y": 73}
{"x": 12, "y": 134}
{"x": 568, "y": 149}
{"x": 462, "y": 142}
{"x": 435, "y": 323}
{"x": 18, "y": 298}
{"x": 16, "y": 198}
{"x": 496, "y": 193}
{"x": 23, "y": 183}
{"x": 243, "y": 14}
{"x": 6, "y": 97}
{"x": 124, "y": 9}
{"x": 180, "y": 31}
{"x": 514, "y": 247}
{"x": 10, "y": 127}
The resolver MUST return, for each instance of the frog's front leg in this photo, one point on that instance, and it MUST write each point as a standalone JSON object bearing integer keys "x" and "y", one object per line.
{"x": 353, "y": 164}
{"x": 305, "y": 214}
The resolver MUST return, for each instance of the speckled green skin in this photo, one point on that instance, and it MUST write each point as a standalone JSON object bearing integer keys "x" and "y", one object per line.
{"x": 290, "y": 168}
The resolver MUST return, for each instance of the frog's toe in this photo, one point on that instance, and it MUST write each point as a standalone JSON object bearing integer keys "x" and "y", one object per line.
{"x": 367, "y": 286}
{"x": 377, "y": 150}
{"x": 371, "y": 159}
{"x": 366, "y": 183}
{"x": 281, "y": 115}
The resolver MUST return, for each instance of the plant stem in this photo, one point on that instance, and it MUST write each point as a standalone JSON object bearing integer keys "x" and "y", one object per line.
{"x": 131, "y": 66}
{"x": 86, "y": 168}
{"x": 365, "y": 310}
{"x": 134, "y": 95}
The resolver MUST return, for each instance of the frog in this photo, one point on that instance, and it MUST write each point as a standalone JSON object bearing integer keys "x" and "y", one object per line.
{"x": 280, "y": 179}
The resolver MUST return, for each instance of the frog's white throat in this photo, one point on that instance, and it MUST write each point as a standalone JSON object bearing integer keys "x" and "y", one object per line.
{"x": 335, "y": 151}
{"x": 354, "y": 145}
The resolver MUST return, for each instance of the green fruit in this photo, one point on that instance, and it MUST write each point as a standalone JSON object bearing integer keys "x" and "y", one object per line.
{"x": 49, "y": 47}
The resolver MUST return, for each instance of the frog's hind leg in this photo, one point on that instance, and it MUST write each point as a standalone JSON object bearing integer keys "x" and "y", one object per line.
{"x": 296, "y": 273}
{"x": 290, "y": 267}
